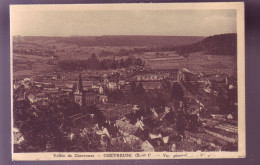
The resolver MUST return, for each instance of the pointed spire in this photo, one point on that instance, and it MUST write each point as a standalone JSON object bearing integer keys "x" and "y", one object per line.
{"x": 79, "y": 85}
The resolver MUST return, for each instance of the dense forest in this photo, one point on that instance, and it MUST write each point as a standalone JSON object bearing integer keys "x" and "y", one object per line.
{"x": 94, "y": 63}
{"x": 223, "y": 44}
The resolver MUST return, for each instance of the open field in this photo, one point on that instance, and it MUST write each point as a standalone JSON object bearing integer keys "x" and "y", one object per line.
{"x": 205, "y": 62}
{"x": 25, "y": 65}
{"x": 196, "y": 62}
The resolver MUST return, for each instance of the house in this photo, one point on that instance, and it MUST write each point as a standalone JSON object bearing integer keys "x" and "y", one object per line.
{"x": 116, "y": 112}
{"x": 32, "y": 98}
{"x": 41, "y": 96}
{"x": 173, "y": 75}
{"x": 90, "y": 98}
{"x": 155, "y": 136}
{"x": 47, "y": 85}
{"x": 88, "y": 121}
{"x": 16, "y": 86}
{"x": 154, "y": 114}
{"x": 122, "y": 82}
{"x": 50, "y": 90}
{"x": 67, "y": 90}
{"x": 112, "y": 85}
{"x": 20, "y": 96}
{"x": 136, "y": 108}
{"x": 95, "y": 85}
{"x": 17, "y": 136}
{"x": 103, "y": 98}
{"x": 130, "y": 139}
{"x": 103, "y": 132}
{"x": 70, "y": 85}
{"x": 87, "y": 85}
{"x": 139, "y": 124}
{"x": 26, "y": 83}
{"x": 147, "y": 147}
{"x": 186, "y": 75}
{"x": 127, "y": 128}
{"x": 165, "y": 139}
{"x": 151, "y": 85}
{"x": 100, "y": 90}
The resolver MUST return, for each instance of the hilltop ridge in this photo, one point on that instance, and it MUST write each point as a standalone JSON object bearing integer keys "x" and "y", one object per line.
{"x": 222, "y": 44}
{"x": 120, "y": 40}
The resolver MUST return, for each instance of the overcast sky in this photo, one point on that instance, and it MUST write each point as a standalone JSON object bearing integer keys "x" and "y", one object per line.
{"x": 122, "y": 22}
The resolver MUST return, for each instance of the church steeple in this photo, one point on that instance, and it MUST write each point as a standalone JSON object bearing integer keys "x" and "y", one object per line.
{"x": 79, "y": 95}
{"x": 79, "y": 85}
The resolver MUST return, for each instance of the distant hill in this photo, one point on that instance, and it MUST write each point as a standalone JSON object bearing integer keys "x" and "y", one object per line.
{"x": 120, "y": 40}
{"x": 223, "y": 44}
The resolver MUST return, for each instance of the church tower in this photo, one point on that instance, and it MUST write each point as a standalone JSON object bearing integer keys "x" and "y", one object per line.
{"x": 79, "y": 93}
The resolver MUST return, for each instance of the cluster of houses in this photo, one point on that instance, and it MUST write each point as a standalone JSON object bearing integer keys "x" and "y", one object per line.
{"x": 153, "y": 129}
{"x": 92, "y": 89}
{"x": 145, "y": 129}
{"x": 38, "y": 89}
{"x": 57, "y": 84}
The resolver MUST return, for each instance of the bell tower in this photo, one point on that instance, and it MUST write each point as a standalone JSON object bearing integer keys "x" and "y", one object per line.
{"x": 79, "y": 93}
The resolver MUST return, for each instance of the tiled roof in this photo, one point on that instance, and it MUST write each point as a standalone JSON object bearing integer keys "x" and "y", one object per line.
{"x": 126, "y": 127}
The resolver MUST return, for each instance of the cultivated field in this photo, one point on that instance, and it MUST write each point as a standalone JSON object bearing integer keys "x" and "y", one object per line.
{"x": 197, "y": 62}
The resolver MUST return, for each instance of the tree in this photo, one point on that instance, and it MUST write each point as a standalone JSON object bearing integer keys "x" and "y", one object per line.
{"x": 132, "y": 97}
{"x": 42, "y": 124}
{"x": 114, "y": 64}
{"x": 140, "y": 95}
{"x": 177, "y": 92}
{"x": 133, "y": 87}
{"x": 115, "y": 96}
{"x": 93, "y": 61}
{"x": 128, "y": 62}
{"x": 103, "y": 64}
{"x": 140, "y": 89}
{"x": 89, "y": 142}
{"x": 122, "y": 63}
{"x": 166, "y": 84}
{"x": 20, "y": 111}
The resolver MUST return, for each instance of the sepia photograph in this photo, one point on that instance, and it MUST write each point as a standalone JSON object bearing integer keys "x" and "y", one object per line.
{"x": 127, "y": 81}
